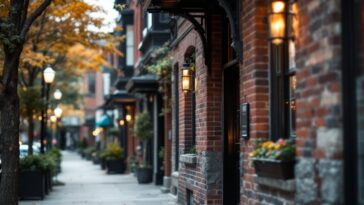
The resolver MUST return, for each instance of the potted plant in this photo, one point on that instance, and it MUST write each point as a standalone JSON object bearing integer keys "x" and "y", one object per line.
{"x": 34, "y": 175}
{"x": 144, "y": 131}
{"x": 274, "y": 160}
{"x": 115, "y": 159}
{"x": 57, "y": 156}
{"x": 103, "y": 157}
{"x": 88, "y": 152}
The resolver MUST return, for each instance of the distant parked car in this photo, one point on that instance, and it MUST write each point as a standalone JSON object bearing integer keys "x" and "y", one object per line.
{"x": 23, "y": 150}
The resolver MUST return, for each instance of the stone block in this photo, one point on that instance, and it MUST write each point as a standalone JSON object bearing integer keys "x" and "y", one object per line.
{"x": 330, "y": 141}
{"x": 285, "y": 185}
{"x": 306, "y": 187}
{"x": 331, "y": 173}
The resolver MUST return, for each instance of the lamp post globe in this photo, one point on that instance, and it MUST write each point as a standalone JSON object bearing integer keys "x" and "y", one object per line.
{"x": 49, "y": 75}
{"x": 57, "y": 94}
{"x": 58, "y": 112}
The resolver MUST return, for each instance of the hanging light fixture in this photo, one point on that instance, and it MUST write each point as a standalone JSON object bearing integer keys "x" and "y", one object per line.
{"x": 122, "y": 122}
{"x": 128, "y": 117}
{"x": 187, "y": 78}
{"x": 278, "y": 16}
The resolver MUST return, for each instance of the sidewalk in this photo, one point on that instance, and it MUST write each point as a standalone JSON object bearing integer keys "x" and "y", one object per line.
{"x": 87, "y": 184}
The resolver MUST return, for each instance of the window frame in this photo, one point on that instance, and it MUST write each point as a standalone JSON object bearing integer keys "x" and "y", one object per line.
{"x": 280, "y": 98}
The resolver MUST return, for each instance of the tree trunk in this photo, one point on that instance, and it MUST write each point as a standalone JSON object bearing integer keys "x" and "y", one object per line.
{"x": 9, "y": 133}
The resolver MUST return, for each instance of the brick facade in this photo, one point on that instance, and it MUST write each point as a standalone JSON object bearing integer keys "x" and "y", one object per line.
{"x": 319, "y": 172}
{"x": 319, "y": 154}
{"x": 203, "y": 178}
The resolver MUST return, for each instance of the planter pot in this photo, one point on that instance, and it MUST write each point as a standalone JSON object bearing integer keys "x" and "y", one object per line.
{"x": 47, "y": 182}
{"x": 115, "y": 166}
{"x": 31, "y": 185}
{"x": 59, "y": 169}
{"x": 144, "y": 175}
{"x": 103, "y": 164}
{"x": 274, "y": 168}
{"x": 95, "y": 160}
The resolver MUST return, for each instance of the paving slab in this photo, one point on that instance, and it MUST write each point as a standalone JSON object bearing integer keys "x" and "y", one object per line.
{"x": 87, "y": 184}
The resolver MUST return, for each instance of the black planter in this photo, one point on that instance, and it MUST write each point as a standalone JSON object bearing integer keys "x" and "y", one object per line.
{"x": 274, "y": 168}
{"x": 59, "y": 169}
{"x": 31, "y": 185}
{"x": 103, "y": 164}
{"x": 95, "y": 160}
{"x": 115, "y": 166}
{"x": 47, "y": 182}
{"x": 144, "y": 175}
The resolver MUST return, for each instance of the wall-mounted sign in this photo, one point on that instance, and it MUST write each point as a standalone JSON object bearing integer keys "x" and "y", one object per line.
{"x": 244, "y": 120}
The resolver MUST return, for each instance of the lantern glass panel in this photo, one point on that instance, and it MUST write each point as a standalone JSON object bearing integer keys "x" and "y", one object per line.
{"x": 278, "y": 6}
{"x": 277, "y": 27}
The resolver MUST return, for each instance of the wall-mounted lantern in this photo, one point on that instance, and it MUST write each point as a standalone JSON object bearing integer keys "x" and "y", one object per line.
{"x": 280, "y": 16}
{"x": 128, "y": 117}
{"x": 188, "y": 78}
{"x": 122, "y": 122}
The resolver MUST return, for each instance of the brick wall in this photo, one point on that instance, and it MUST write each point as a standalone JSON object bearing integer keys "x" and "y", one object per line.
{"x": 205, "y": 178}
{"x": 254, "y": 88}
{"x": 319, "y": 141}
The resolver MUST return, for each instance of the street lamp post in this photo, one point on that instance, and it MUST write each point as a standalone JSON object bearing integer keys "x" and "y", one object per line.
{"x": 58, "y": 113}
{"x": 47, "y": 80}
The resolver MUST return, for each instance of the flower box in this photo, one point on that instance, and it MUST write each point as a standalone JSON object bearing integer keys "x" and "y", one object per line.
{"x": 274, "y": 168}
{"x": 188, "y": 158}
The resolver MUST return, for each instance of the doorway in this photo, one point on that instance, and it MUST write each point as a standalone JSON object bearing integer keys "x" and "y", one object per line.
{"x": 231, "y": 186}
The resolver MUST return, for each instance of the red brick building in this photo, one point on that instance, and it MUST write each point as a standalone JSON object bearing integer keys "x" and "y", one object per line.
{"x": 302, "y": 81}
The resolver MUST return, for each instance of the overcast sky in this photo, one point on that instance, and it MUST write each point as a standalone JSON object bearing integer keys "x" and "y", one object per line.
{"x": 109, "y": 16}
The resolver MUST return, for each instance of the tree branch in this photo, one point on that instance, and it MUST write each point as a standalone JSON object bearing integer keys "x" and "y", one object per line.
{"x": 25, "y": 12}
{"x": 32, "y": 18}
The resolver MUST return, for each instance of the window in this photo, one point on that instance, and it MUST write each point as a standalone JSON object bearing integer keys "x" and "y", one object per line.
{"x": 129, "y": 45}
{"x": 91, "y": 83}
{"x": 164, "y": 17}
{"x": 283, "y": 85}
{"x": 190, "y": 96}
{"x": 150, "y": 20}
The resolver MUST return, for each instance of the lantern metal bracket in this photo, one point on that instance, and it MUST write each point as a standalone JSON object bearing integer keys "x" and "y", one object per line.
{"x": 233, "y": 17}
{"x": 202, "y": 28}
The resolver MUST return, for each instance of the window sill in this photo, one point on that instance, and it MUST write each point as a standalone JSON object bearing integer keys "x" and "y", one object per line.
{"x": 188, "y": 158}
{"x": 281, "y": 184}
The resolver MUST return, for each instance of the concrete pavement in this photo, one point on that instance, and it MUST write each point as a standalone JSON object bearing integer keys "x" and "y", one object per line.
{"x": 87, "y": 184}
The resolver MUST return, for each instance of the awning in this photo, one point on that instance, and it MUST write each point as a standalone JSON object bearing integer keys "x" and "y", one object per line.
{"x": 143, "y": 84}
{"x": 105, "y": 121}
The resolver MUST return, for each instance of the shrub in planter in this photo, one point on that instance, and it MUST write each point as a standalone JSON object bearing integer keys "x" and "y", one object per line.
{"x": 274, "y": 160}
{"x": 114, "y": 158}
{"x": 88, "y": 152}
{"x": 50, "y": 169}
{"x": 132, "y": 164}
{"x": 57, "y": 156}
{"x": 32, "y": 177}
{"x": 144, "y": 131}
{"x": 103, "y": 156}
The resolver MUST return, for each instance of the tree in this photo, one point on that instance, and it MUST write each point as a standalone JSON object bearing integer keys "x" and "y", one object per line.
{"x": 61, "y": 37}
{"x": 15, "y": 23}
{"x": 144, "y": 131}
